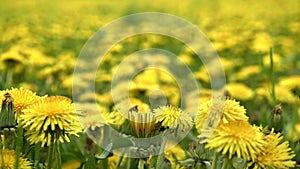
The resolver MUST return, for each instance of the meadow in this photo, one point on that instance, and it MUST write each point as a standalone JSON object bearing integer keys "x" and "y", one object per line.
{"x": 56, "y": 112}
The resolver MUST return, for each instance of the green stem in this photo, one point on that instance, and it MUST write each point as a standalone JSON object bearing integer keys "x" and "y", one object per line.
{"x": 128, "y": 161}
{"x": 105, "y": 140}
{"x": 160, "y": 157}
{"x": 272, "y": 75}
{"x": 57, "y": 154}
{"x": 141, "y": 164}
{"x": 215, "y": 161}
{"x": 9, "y": 77}
{"x": 120, "y": 160}
{"x": 36, "y": 155}
{"x": 225, "y": 163}
{"x": 19, "y": 144}
{"x": 49, "y": 157}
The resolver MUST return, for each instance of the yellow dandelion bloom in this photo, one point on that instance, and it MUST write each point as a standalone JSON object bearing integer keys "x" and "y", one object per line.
{"x": 246, "y": 72}
{"x": 22, "y": 99}
{"x": 9, "y": 160}
{"x": 237, "y": 138}
{"x": 262, "y": 42}
{"x": 50, "y": 120}
{"x": 12, "y": 56}
{"x": 277, "y": 61}
{"x": 211, "y": 110}
{"x": 147, "y": 80}
{"x": 173, "y": 117}
{"x": 291, "y": 82}
{"x": 274, "y": 154}
{"x": 239, "y": 91}
{"x": 142, "y": 123}
{"x": 114, "y": 118}
{"x": 174, "y": 153}
{"x": 113, "y": 160}
{"x": 283, "y": 94}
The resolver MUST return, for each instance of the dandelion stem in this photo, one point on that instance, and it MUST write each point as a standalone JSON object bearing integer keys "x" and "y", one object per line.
{"x": 57, "y": 154}
{"x": 120, "y": 160}
{"x": 9, "y": 76}
{"x": 225, "y": 163}
{"x": 272, "y": 75}
{"x": 141, "y": 164}
{"x": 49, "y": 157}
{"x": 161, "y": 152}
{"x": 19, "y": 144}
{"x": 128, "y": 161}
{"x": 215, "y": 161}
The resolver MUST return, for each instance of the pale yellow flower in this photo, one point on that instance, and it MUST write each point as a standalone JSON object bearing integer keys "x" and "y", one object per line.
{"x": 239, "y": 91}
{"x": 213, "y": 112}
{"x": 173, "y": 117}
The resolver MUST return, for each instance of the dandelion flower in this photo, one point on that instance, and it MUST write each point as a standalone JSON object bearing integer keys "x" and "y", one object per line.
{"x": 23, "y": 98}
{"x": 12, "y": 56}
{"x": 172, "y": 117}
{"x": 9, "y": 160}
{"x": 236, "y": 138}
{"x": 262, "y": 42}
{"x": 247, "y": 72}
{"x": 175, "y": 153}
{"x": 50, "y": 120}
{"x": 291, "y": 82}
{"x": 239, "y": 91}
{"x": 114, "y": 118}
{"x": 142, "y": 123}
{"x": 211, "y": 111}
{"x": 282, "y": 93}
{"x": 274, "y": 154}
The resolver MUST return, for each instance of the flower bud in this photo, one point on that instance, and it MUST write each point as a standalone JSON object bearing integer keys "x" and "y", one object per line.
{"x": 7, "y": 116}
{"x": 276, "y": 119}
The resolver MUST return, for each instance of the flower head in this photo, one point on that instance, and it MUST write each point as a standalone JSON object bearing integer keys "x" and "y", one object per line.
{"x": 239, "y": 91}
{"x": 172, "y": 117}
{"x": 50, "y": 120}
{"x": 274, "y": 153}
{"x": 23, "y": 98}
{"x": 236, "y": 138}
{"x": 211, "y": 112}
{"x": 291, "y": 82}
{"x": 142, "y": 123}
{"x": 9, "y": 160}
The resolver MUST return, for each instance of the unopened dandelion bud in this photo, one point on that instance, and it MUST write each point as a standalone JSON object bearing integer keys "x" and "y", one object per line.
{"x": 276, "y": 119}
{"x": 7, "y": 116}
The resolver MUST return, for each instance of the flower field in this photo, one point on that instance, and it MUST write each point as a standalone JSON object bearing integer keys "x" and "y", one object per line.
{"x": 150, "y": 84}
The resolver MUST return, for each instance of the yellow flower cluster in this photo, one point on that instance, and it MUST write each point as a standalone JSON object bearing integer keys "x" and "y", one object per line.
{"x": 45, "y": 119}
{"x": 235, "y": 137}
